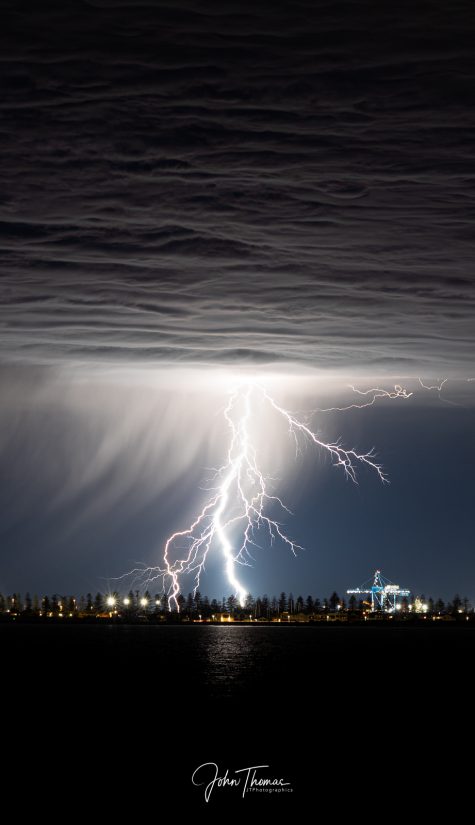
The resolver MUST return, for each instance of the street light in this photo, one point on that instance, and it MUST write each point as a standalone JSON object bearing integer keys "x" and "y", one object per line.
{"x": 126, "y": 601}
{"x": 110, "y": 601}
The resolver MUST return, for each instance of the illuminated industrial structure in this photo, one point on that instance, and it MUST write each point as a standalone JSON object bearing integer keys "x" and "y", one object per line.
{"x": 384, "y": 594}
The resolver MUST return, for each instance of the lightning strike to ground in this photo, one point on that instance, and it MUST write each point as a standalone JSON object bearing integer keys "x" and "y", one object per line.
{"x": 241, "y": 500}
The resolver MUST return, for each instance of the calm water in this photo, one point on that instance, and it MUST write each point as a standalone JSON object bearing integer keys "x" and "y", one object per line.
{"x": 233, "y": 662}
{"x": 153, "y": 703}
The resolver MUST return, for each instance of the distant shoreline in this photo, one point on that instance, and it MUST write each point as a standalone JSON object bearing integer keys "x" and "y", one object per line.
{"x": 387, "y": 622}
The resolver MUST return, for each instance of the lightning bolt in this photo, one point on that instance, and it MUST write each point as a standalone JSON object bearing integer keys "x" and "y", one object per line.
{"x": 437, "y": 386}
{"x": 241, "y": 500}
{"x": 371, "y": 396}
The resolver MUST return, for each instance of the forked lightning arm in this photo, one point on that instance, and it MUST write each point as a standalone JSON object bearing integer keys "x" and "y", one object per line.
{"x": 240, "y": 499}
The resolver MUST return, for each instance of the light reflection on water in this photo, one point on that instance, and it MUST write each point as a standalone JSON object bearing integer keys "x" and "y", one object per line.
{"x": 236, "y": 663}
{"x": 237, "y": 658}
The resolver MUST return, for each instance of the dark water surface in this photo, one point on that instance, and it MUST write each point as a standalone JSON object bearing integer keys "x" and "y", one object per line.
{"x": 229, "y": 660}
{"x": 157, "y": 701}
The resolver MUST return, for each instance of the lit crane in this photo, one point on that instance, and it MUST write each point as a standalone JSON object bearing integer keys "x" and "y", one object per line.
{"x": 384, "y": 594}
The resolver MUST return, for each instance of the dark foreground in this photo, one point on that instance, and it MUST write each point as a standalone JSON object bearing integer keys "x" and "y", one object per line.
{"x": 152, "y": 703}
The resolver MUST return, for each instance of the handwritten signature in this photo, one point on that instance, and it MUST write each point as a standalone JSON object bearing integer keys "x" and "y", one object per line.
{"x": 207, "y": 774}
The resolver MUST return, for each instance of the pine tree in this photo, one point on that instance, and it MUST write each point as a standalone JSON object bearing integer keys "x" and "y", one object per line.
{"x": 282, "y": 603}
{"x": 334, "y": 600}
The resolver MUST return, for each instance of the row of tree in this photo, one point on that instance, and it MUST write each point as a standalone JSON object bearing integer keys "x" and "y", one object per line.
{"x": 198, "y": 606}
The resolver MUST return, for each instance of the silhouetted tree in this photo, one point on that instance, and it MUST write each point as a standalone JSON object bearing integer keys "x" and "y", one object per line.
{"x": 249, "y": 605}
{"x": 282, "y": 603}
{"x": 456, "y": 603}
{"x": 231, "y": 604}
{"x": 198, "y": 602}
{"x": 309, "y": 605}
{"x": 439, "y": 606}
{"x": 98, "y": 603}
{"x": 352, "y": 602}
{"x": 334, "y": 600}
{"x": 299, "y": 605}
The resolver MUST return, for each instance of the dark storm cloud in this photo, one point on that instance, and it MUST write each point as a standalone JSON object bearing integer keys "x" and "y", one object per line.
{"x": 208, "y": 182}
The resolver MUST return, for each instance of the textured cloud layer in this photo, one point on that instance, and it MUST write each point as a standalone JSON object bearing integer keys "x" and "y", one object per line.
{"x": 235, "y": 182}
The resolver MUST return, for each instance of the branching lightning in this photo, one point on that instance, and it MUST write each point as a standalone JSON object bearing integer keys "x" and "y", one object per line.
{"x": 241, "y": 500}
{"x": 371, "y": 397}
{"x": 437, "y": 386}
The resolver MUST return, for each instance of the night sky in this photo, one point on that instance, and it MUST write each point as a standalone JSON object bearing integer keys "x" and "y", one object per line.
{"x": 193, "y": 189}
